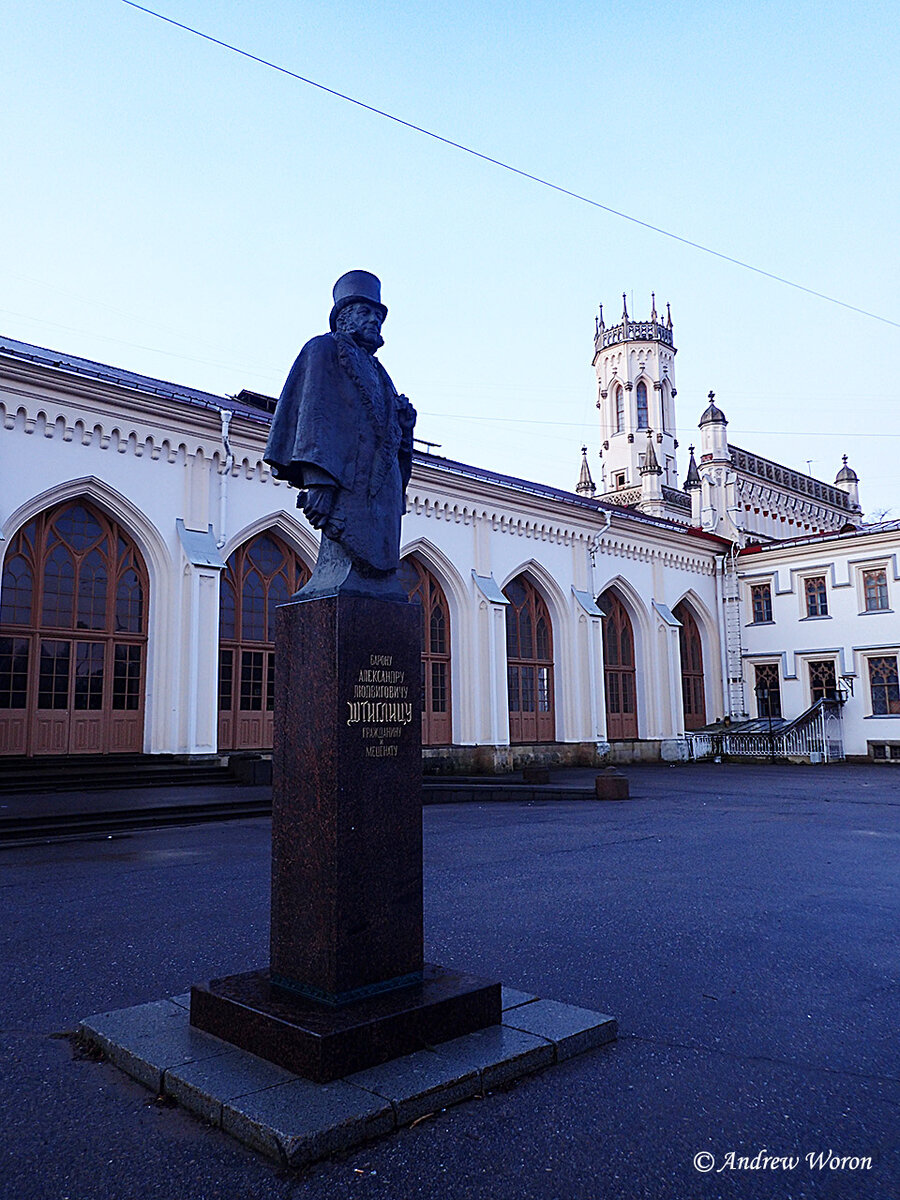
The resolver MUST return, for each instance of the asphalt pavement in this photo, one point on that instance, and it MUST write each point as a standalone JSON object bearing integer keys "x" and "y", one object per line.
{"x": 741, "y": 923}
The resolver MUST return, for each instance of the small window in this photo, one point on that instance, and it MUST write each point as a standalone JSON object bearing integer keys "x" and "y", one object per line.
{"x": 875, "y": 590}
{"x": 641, "y": 392}
{"x": 879, "y": 750}
{"x": 884, "y": 685}
{"x": 816, "y": 597}
{"x": 620, "y": 410}
{"x": 761, "y": 597}
{"x": 822, "y": 681}
{"x": 768, "y": 691}
{"x": 619, "y": 479}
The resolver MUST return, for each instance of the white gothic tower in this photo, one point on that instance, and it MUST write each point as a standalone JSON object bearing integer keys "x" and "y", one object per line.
{"x": 635, "y": 365}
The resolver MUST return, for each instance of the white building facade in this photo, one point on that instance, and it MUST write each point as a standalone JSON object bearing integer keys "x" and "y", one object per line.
{"x": 144, "y": 547}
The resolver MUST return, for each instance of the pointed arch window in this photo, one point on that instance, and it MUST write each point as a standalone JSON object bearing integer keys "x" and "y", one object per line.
{"x": 529, "y": 659}
{"x": 424, "y": 589}
{"x": 73, "y": 635}
{"x": 692, "y": 691}
{"x": 642, "y": 409}
{"x": 259, "y": 575}
{"x": 620, "y": 409}
{"x": 620, "y": 677}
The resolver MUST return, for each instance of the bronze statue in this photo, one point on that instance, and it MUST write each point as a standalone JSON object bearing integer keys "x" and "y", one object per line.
{"x": 344, "y": 437}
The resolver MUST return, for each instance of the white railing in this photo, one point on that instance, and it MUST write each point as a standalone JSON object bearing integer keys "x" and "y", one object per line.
{"x": 816, "y": 735}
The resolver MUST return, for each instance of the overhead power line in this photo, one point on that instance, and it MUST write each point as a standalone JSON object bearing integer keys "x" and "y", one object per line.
{"x": 496, "y": 162}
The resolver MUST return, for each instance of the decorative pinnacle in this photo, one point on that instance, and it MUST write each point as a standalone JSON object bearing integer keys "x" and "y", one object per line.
{"x": 669, "y": 316}
{"x": 624, "y": 308}
{"x": 653, "y": 306}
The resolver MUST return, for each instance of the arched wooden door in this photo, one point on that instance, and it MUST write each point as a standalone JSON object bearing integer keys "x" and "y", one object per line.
{"x": 693, "y": 698}
{"x": 619, "y": 670}
{"x": 529, "y": 664}
{"x": 73, "y": 636}
{"x": 261, "y": 574}
{"x": 424, "y": 589}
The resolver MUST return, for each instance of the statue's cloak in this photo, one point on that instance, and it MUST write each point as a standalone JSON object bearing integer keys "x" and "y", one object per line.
{"x": 340, "y": 414}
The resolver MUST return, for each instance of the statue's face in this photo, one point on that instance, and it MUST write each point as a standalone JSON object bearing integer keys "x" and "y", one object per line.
{"x": 362, "y": 321}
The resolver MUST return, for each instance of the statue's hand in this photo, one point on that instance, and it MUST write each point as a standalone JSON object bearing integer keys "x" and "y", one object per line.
{"x": 319, "y": 503}
{"x": 406, "y": 413}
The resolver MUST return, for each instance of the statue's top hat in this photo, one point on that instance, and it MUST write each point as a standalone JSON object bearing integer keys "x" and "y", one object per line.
{"x": 353, "y": 287}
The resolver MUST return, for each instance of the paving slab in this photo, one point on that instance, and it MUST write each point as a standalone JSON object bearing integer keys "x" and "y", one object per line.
{"x": 572, "y": 1030}
{"x": 512, "y": 998}
{"x": 499, "y": 1054}
{"x": 147, "y": 1040}
{"x": 420, "y": 1083}
{"x": 300, "y": 1122}
{"x": 295, "y": 1121}
{"x": 204, "y": 1086}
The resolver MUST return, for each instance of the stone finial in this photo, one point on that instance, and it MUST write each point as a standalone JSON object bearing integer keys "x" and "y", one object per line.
{"x": 693, "y": 475}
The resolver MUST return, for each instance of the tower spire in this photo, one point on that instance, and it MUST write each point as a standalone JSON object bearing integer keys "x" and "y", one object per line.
{"x": 585, "y": 485}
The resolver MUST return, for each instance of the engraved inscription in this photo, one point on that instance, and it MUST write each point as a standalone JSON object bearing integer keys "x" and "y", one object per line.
{"x": 380, "y": 706}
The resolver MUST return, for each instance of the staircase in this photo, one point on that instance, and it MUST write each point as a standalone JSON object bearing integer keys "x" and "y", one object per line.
{"x": 104, "y": 772}
{"x": 816, "y": 736}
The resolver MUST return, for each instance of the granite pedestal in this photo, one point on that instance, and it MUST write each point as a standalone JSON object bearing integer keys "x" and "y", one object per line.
{"x": 347, "y": 987}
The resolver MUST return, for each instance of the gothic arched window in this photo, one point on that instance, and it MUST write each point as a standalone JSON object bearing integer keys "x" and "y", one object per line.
{"x": 620, "y": 409}
{"x": 73, "y": 634}
{"x": 259, "y": 575}
{"x": 620, "y": 676}
{"x": 692, "y": 694}
{"x": 529, "y": 664}
{"x": 422, "y": 588}
{"x": 642, "y": 412}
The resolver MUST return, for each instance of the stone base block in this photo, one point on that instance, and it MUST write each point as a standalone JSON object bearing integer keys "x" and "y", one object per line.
{"x": 611, "y": 786}
{"x": 296, "y": 1122}
{"x": 321, "y": 1043}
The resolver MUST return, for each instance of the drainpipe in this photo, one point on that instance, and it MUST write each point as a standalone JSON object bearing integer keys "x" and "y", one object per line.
{"x": 723, "y": 637}
{"x": 594, "y": 546}
{"x": 225, "y": 414}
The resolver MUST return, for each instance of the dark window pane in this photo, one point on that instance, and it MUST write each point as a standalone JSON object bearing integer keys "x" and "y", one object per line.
{"x": 613, "y": 702}
{"x": 270, "y": 682}
{"x": 875, "y": 583}
{"x": 13, "y": 672}
{"x": 512, "y": 677}
{"x": 411, "y": 580}
{"x": 127, "y": 678}
{"x": 252, "y": 666}
{"x": 278, "y": 594}
{"x": 53, "y": 678}
{"x": 59, "y": 589}
{"x": 762, "y": 603}
{"x": 439, "y": 687}
{"x": 885, "y": 686}
{"x": 526, "y": 635}
{"x": 527, "y": 689}
{"x": 438, "y": 631}
{"x": 92, "y": 581}
{"x": 129, "y": 603}
{"x": 226, "y": 678}
{"x": 16, "y": 591}
{"x": 78, "y": 527}
{"x": 822, "y": 681}
{"x": 543, "y": 639}
{"x": 512, "y": 633}
{"x": 253, "y": 609}
{"x": 88, "y": 675}
{"x": 641, "y": 392}
{"x": 266, "y": 554}
{"x": 227, "y": 611}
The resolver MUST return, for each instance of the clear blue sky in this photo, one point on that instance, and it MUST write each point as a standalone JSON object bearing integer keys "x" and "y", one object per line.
{"x": 172, "y": 208}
